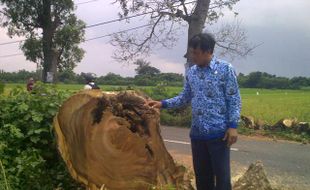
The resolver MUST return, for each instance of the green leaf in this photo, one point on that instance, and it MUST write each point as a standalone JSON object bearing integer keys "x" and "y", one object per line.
{"x": 14, "y": 131}
{"x": 23, "y": 107}
{"x": 37, "y": 131}
{"x": 34, "y": 139}
{"x": 37, "y": 118}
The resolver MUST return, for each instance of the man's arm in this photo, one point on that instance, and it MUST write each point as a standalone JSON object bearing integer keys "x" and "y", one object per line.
{"x": 233, "y": 102}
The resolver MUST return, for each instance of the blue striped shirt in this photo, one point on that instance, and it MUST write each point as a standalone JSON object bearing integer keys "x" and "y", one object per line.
{"x": 214, "y": 96}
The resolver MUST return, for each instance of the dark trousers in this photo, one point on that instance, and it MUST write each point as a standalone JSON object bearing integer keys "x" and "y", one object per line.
{"x": 211, "y": 159}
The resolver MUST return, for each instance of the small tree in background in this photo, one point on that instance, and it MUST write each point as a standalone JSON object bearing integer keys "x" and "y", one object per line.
{"x": 144, "y": 68}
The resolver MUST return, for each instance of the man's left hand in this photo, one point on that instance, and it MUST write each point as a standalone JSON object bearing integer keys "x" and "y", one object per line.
{"x": 231, "y": 136}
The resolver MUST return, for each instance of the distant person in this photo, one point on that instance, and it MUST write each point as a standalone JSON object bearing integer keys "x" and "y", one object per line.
{"x": 90, "y": 81}
{"x": 30, "y": 84}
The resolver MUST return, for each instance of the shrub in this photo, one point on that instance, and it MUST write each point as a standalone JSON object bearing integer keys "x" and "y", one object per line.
{"x": 27, "y": 143}
{"x": 176, "y": 117}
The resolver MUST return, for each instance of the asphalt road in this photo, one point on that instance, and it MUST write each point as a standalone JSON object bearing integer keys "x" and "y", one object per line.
{"x": 287, "y": 164}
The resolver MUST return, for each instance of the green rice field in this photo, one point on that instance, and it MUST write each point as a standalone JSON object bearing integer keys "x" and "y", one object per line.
{"x": 269, "y": 105}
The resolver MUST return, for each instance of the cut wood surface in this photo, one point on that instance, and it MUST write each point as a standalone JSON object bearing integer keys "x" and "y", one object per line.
{"x": 113, "y": 141}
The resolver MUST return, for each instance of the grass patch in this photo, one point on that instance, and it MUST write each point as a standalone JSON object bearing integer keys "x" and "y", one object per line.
{"x": 273, "y": 105}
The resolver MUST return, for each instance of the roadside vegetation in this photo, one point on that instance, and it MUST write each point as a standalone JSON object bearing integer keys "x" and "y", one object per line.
{"x": 29, "y": 157}
{"x": 27, "y": 141}
{"x": 268, "y": 105}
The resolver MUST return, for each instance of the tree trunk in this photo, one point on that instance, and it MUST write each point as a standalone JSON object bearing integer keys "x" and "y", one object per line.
{"x": 196, "y": 23}
{"x": 49, "y": 55}
{"x": 114, "y": 141}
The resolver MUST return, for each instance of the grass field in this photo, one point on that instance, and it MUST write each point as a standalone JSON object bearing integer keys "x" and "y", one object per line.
{"x": 272, "y": 105}
{"x": 269, "y": 105}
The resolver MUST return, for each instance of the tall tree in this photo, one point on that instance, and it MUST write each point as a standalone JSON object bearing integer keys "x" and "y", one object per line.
{"x": 51, "y": 29}
{"x": 166, "y": 17}
{"x": 144, "y": 68}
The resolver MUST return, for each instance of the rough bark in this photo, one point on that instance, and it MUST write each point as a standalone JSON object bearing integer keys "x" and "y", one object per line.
{"x": 196, "y": 22}
{"x": 113, "y": 140}
{"x": 48, "y": 28}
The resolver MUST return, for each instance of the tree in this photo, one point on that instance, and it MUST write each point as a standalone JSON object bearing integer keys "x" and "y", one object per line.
{"x": 67, "y": 76}
{"x": 144, "y": 68}
{"x": 51, "y": 29}
{"x": 254, "y": 79}
{"x": 166, "y": 17}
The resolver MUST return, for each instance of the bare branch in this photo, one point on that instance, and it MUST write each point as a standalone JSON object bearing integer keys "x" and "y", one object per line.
{"x": 194, "y": 12}
{"x": 184, "y": 7}
{"x": 168, "y": 13}
{"x": 231, "y": 41}
{"x": 150, "y": 35}
{"x": 131, "y": 46}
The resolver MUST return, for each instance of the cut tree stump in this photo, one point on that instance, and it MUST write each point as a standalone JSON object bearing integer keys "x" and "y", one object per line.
{"x": 113, "y": 141}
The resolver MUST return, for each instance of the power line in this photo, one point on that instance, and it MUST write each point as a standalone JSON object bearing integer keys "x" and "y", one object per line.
{"x": 11, "y": 55}
{"x": 91, "y": 1}
{"x": 102, "y": 23}
{"x": 135, "y": 28}
{"x": 116, "y": 20}
{"x": 13, "y": 42}
{"x": 129, "y": 17}
{"x": 90, "y": 39}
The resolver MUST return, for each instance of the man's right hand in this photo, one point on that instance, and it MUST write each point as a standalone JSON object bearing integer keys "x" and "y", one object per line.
{"x": 154, "y": 104}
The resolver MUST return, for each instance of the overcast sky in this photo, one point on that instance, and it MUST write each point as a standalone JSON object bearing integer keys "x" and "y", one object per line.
{"x": 282, "y": 26}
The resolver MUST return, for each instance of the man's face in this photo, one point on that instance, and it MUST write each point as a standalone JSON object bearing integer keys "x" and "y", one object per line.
{"x": 199, "y": 57}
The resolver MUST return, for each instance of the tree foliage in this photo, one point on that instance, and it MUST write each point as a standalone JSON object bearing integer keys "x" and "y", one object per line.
{"x": 268, "y": 81}
{"x": 252, "y": 80}
{"x": 144, "y": 68}
{"x": 51, "y": 29}
{"x": 17, "y": 77}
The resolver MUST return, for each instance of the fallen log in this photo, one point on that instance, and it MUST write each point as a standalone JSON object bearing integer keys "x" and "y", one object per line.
{"x": 113, "y": 141}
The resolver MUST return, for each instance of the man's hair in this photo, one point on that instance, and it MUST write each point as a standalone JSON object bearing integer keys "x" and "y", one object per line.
{"x": 203, "y": 41}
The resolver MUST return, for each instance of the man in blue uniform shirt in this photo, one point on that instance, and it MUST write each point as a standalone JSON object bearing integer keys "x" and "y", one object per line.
{"x": 212, "y": 90}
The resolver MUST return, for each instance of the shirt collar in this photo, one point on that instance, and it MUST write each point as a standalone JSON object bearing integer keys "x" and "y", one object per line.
{"x": 212, "y": 63}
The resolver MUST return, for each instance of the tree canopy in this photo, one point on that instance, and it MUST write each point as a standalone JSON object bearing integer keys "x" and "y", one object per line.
{"x": 251, "y": 80}
{"x": 144, "y": 68}
{"x": 51, "y": 29}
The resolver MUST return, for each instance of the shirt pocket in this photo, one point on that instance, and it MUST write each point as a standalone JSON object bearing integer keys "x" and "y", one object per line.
{"x": 215, "y": 87}
{"x": 211, "y": 90}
